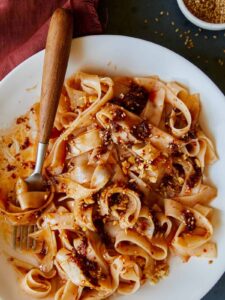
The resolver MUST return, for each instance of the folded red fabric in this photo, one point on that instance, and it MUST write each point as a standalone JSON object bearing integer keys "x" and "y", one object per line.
{"x": 24, "y": 26}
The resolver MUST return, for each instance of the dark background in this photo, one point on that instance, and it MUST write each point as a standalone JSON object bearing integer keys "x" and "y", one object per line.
{"x": 162, "y": 22}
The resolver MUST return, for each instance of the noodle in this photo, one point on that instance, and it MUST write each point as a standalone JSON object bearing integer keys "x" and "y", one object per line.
{"x": 124, "y": 187}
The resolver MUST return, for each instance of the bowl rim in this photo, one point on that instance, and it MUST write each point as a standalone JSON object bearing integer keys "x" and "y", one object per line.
{"x": 198, "y": 22}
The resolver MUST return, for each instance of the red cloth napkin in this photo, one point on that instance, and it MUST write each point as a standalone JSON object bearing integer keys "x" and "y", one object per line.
{"x": 24, "y": 26}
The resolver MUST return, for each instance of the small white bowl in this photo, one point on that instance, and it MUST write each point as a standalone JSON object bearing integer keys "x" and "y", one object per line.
{"x": 196, "y": 21}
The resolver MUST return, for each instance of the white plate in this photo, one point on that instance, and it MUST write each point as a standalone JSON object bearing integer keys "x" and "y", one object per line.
{"x": 124, "y": 55}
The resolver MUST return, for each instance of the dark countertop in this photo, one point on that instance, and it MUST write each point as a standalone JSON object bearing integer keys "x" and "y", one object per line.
{"x": 142, "y": 19}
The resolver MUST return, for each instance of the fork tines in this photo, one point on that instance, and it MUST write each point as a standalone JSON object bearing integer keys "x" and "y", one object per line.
{"x": 21, "y": 239}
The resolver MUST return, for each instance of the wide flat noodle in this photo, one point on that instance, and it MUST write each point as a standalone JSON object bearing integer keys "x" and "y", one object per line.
{"x": 125, "y": 187}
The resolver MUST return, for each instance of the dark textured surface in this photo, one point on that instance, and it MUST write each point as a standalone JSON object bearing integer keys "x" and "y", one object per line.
{"x": 137, "y": 18}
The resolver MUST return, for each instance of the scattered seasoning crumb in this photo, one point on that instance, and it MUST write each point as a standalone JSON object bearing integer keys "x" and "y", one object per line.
{"x": 161, "y": 13}
{"x": 25, "y": 144}
{"x": 189, "y": 42}
{"x": 214, "y": 37}
{"x": 167, "y": 13}
{"x": 177, "y": 30}
{"x": 199, "y": 29}
{"x": 31, "y": 88}
{"x": 205, "y": 37}
{"x": 156, "y": 32}
{"x": 210, "y": 262}
{"x": 181, "y": 35}
{"x": 198, "y": 56}
{"x": 224, "y": 51}
{"x": 161, "y": 34}
{"x": 197, "y": 34}
{"x": 156, "y": 19}
{"x": 221, "y": 62}
{"x": 172, "y": 23}
{"x": 206, "y": 61}
{"x": 145, "y": 21}
{"x": 21, "y": 120}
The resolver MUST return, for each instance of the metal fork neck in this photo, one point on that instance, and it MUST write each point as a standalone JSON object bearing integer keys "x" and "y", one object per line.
{"x": 41, "y": 151}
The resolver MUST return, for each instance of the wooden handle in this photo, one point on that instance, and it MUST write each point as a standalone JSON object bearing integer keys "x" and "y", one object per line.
{"x": 55, "y": 63}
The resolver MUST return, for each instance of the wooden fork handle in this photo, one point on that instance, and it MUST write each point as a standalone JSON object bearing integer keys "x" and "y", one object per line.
{"x": 55, "y": 63}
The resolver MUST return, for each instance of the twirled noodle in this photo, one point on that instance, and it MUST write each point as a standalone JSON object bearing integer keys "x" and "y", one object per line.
{"x": 83, "y": 213}
{"x": 37, "y": 284}
{"x": 184, "y": 242}
{"x": 49, "y": 247}
{"x": 125, "y": 187}
{"x": 31, "y": 205}
{"x": 156, "y": 248}
{"x": 122, "y": 204}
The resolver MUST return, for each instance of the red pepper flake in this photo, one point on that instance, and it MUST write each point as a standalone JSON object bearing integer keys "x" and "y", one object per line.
{"x": 141, "y": 131}
{"x": 26, "y": 144}
{"x": 119, "y": 115}
{"x": 191, "y": 135}
{"x": 10, "y": 168}
{"x": 174, "y": 150}
{"x": 63, "y": 187}
{"x": 13, "y": 176}
{"x": 210, "y": 262}
{"x": 129, "y": 144}
{"x": 159, "y": 160}
{"x": 10, "y": 259}
{"x": 43, "y": 251}
{"x": 134, "y": 100}
{"x": 106, "y": 137}
{"x": 31, "y": 164}
{"x": 101, "y": 151}
{"x": 28, "y": 164}
{"x": 21, "y": 120}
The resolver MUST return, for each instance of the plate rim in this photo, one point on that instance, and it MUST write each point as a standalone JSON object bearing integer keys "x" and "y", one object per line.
{"x": 27, "y": 60}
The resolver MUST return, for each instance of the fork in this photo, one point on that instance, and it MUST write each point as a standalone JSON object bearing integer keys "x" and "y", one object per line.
{"x": 55, "y": 64}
